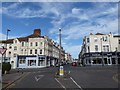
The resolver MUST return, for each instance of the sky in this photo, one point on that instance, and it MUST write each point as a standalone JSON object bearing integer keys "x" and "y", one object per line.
{"x": 76, "y": 20}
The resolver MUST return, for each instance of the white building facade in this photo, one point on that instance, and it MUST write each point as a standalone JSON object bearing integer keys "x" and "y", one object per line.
{"x": 33, "y": 51}
{"x": 100, "y": 49}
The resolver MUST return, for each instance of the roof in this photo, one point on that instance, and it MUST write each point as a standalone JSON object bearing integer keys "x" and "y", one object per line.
{"x": 8, "y": 41}
{"x": 99, "y": 34}
{"x": 34, "y": 35}
{"x": 116, "y": 36}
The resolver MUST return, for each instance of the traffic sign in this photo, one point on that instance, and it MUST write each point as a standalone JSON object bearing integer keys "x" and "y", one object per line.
{"x": 2, "y": 50}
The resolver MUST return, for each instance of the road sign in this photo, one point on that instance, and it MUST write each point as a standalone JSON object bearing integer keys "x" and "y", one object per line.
{"x": 61, "y": 71}
{"x": 2, "y": 50}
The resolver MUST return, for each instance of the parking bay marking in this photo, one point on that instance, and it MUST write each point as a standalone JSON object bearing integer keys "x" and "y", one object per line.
{"x": 76, "y": 83}
{"x": 38, "y": 77}
{"x": 60, "y": 84}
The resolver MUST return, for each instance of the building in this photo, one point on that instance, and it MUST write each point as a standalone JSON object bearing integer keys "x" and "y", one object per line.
{"x": 100, "y": 49}
{"x": 33, "y": 51}
{"x": 68, "y": 58}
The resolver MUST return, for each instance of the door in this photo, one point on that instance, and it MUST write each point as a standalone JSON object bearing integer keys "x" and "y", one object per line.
{"x": 109, "y": 61}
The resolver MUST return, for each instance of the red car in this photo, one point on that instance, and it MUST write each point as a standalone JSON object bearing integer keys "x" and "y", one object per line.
{"x": 74, "y": 64}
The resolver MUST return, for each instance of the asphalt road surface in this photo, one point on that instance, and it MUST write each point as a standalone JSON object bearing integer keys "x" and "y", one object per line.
{"x": 80, "y": 78}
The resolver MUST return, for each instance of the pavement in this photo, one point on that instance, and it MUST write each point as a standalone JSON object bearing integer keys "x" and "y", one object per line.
{"x": 11, "y": 77}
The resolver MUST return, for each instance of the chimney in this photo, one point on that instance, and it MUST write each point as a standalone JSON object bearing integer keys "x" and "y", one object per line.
{"x": 37, "y": 32}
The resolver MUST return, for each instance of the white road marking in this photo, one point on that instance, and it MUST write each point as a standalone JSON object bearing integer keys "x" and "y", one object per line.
{"x": 76, "y": 83}
{"x": 69, "y": 72}
{"x": 38, "y": 77}
{"x": 60, "y": 84}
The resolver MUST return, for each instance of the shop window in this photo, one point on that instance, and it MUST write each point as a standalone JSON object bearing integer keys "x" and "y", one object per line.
{"x": 41, "y": 61}
{"x": 22, "y": 61}
{"x": 31, "y": 62}
{"x": 113, "y": 61}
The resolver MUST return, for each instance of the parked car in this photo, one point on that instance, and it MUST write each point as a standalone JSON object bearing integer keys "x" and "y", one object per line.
{"x": 74, "y": 63}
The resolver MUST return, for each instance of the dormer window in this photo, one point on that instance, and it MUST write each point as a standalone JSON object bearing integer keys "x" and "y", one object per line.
{"x": 15, "y": 48}
{"x": 15, "y": 41}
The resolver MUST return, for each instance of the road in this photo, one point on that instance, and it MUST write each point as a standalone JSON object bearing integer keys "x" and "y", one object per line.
{"x": 80, "y": 78}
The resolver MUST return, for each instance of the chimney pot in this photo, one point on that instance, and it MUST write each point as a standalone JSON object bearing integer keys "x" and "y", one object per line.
{"x": 37, "y": 32}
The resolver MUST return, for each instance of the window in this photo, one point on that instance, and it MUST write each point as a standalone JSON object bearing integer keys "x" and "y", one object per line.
{"x": 22, "y": 44}
{"x": 31, "y": 44}
{"x": 22, "y": 62}
{"x": 106, "y": 48}
{"x": 9, "y": 53}
{"x": 36, "y": 44}
{"x": 15, "y": 54}
{"x": 15, "y": 48}
{"x": 10, "y": 47}
{"x": 95, "y": 39}
{"x": 88, "y": 49}
{"x": 22, "y": 51}
{"x": 35, "y": 51}
{"x": 96, "y": 47}
{"x": 31, "y": 62}
{"x": 41, "y": 51}
{"x": 41, "y": 43}
{"x": 25, "y": 51}
{"x": 88, "y": 40}
{"x": 15, "y": 41}
{"x": 105, "y": 38}
{"x": 30, "y": 51}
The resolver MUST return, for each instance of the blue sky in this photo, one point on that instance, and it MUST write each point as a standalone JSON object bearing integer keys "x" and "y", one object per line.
{"x": 76, "y": 19}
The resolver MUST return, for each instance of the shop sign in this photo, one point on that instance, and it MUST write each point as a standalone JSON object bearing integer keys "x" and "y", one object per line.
{"x": 96, "y": 54}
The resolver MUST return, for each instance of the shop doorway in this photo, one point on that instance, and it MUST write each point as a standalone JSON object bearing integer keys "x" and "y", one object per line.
{"x": 105, "y": 60}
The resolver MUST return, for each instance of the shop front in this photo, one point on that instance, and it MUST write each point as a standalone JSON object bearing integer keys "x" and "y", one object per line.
{"x": 101, "y": 58}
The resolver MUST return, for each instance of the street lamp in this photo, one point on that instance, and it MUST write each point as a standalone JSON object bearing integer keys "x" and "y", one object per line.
{"x": 7, "y": 33}
{"x": 60, "y": 62}
{"x": 60, "y": 46}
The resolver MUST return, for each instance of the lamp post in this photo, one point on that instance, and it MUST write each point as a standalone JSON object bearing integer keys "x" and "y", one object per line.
{"x": 60, "y": 62}
{"x": 60, "y": 46}
{"x": 7, "y": 33}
